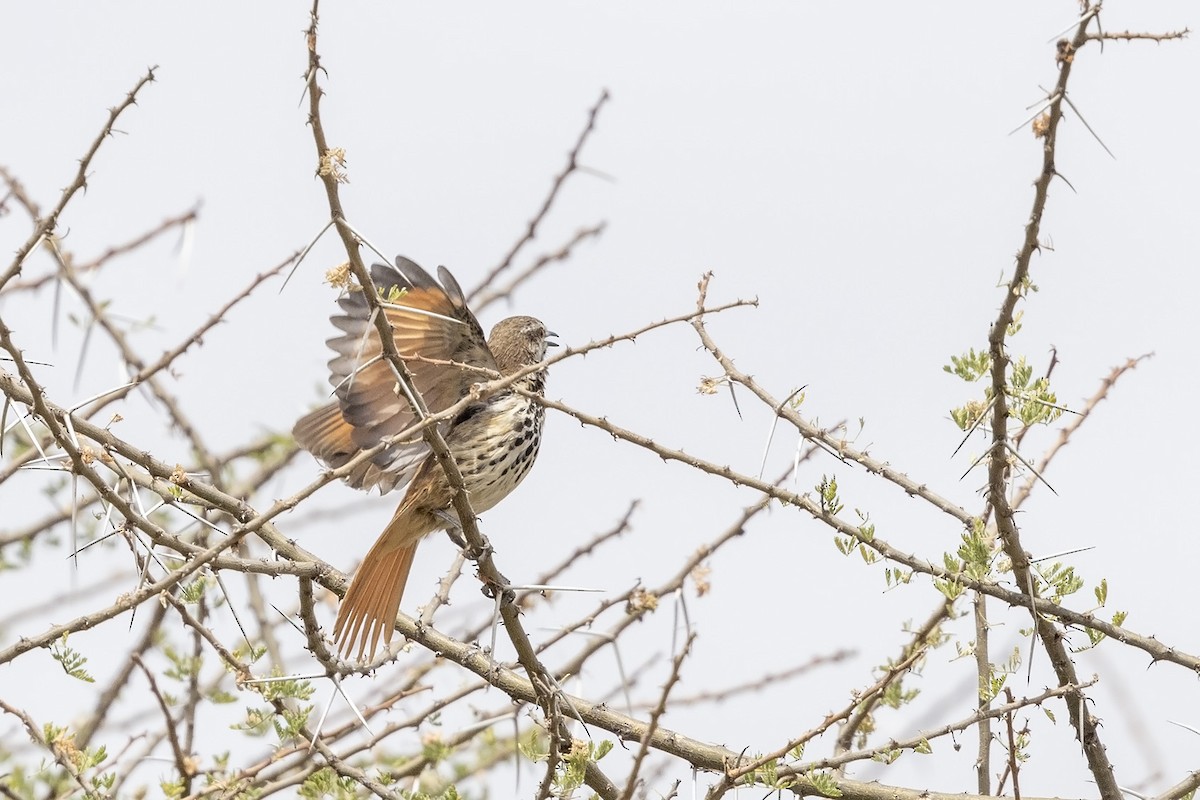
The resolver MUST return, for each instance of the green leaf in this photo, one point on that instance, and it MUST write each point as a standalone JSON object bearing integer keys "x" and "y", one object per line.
{"x": 435, "y": 749}
{"x": 71, "y": 661}
{"x": 970, "y": 366}
{"x": 327, "y": 783}
{"x": 976, "y": 554}
{"x": 183, "y": 667}
{"x": 824, "y": 783}
{"x": 254, "y": 723}
{"x": 951, "y": 590}
{"x": 194, "y": 592}
{"x": 221, "y": 697}
{"x": 391, "y": 294}
{"x": 290, "y": 724}
{"x": 887, "y": 756}
{"x": 172, "y": 788}
{"x": 827, "y": 491}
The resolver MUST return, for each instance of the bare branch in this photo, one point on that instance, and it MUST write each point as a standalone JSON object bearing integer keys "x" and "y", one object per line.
{"x": 559, "y": 180}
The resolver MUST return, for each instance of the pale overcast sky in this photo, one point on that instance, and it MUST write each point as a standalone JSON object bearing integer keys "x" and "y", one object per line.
{"x": 849, "y": 164}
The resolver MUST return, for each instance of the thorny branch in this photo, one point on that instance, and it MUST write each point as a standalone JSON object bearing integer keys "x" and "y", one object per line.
{"x": 480, "y": 550}
{"x": 999, "y": 467}
{"x": 547, "y": 204}
{"x": 46, "y": 225}
{"x": 115, "y": 471}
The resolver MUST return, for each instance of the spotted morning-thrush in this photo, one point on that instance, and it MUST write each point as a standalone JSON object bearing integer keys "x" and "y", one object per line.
{"x": 494, "y": 440}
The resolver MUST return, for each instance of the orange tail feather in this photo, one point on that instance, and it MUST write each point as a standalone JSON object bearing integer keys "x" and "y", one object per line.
{"x": 373, "y": 599}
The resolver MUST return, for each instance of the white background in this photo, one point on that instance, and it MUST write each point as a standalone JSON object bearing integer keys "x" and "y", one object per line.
{"x": 848, "y": 164}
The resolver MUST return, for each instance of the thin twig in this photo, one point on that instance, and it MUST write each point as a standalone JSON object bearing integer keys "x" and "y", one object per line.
{"x": 559, "y": 180}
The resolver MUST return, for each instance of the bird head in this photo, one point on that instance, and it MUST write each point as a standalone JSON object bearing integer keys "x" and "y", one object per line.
{"x": 517, "y": 342}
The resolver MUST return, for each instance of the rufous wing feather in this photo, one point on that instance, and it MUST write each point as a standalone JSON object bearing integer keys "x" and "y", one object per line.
{"x": 324, "y": 433}
{"x": 434, "y": 332}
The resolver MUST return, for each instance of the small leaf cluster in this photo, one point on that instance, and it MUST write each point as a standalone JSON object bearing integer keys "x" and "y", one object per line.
{"x": 1030, "y": 400}
{"x": 50, "y": 780}
{"x": 325, "y": 782}
{"x": 72, "y": 661}
{"x": 767, "y": 775}
{"x": 571, "y": 771}
{"x": 1061, "y": 581}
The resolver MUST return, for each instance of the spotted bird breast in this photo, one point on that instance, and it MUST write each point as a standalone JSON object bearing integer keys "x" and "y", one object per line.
{"x": 495, "y": 445}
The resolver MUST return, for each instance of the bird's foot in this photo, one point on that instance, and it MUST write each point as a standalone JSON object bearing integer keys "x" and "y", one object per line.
{"x": 500, "y": 589}
{"x": 456, "y": 536}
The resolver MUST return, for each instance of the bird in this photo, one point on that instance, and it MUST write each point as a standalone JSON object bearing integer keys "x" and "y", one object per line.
{"x": 494, "y": 439}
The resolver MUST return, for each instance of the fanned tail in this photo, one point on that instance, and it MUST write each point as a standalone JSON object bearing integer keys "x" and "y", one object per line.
{"x": 373, "y": 599}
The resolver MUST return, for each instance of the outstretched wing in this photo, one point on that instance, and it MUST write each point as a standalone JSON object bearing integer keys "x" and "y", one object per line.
{"x": 431, "y": 326}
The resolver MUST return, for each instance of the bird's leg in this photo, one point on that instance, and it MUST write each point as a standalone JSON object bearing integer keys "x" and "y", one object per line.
{"x": 455, "y": 532}
{"x": 505, "y": 592}
{"x": 502, "y": 584}
{"x": 453, "y": 529}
